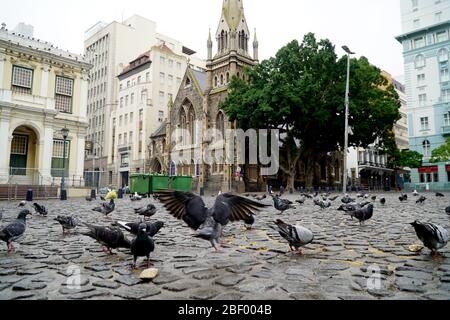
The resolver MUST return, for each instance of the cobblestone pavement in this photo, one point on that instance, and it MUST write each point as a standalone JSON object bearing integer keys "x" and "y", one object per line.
{"x": 252, "y": 265}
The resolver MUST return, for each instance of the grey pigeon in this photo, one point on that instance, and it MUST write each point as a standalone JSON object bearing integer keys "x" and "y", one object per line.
{"x": 249, "y": 222}
{"x": 334, "y": 198}
{"x": 133, "y": 228}
{"x": 301, "y": 201}
{"x": 403, "y": 197}
{"x": 383, "y": 201}
{"x": 41, "y": 210}
{"x": 297, "y": 236}
{"x": 347, "y": 199}
{"x": 67, "y": 223}
{"x": 439, "y": 195}
{"x": 307, "y": 196}
{"x": 351, "y": 207}
{"x": 15, "y": 230}
{"x": 374, "y": 198}
{"x": 106, "y": 208}
{"x": 363, "y": 214}
{"x": 22, "y": 204}
{"x": 192, "y": 210}
{"x": 110, "y": 238}
{"x": 282, "y": 204}
{"x": 322, "y": 204}
{"x": 135, "y": 197}
{"x": 421, "y": 200}
{"x": 142, "y": 246}
{"x": 447, "y": 210}
{"x": 434, "y": 237}
{"x": 147, "y": 211}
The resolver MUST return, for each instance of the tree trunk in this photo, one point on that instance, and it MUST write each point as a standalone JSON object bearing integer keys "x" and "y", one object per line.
{"x": 309, "y": 165}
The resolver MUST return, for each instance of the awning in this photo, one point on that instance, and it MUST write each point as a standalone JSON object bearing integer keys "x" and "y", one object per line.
{"x": 433, "y": 169}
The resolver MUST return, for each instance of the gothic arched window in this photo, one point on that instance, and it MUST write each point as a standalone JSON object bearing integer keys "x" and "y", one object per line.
{"x": 183, "y": 125}
{"x": 220, "y": 126}
{"x": 191, "y": 128}
{"x": 426, "y": 149}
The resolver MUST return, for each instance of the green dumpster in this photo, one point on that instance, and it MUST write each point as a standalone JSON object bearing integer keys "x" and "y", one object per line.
{"x": 140, "y": 183}
{"x": 159, "y": 183}
{"x": 182, "y": 183}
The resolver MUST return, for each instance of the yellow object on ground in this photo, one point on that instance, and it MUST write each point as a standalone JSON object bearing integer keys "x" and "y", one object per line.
{"x": 111, "y": 195}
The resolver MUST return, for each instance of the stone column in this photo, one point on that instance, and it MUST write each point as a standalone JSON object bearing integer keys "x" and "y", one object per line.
{"x": 5, "y": 145}
{"x": 45, "y": 155}
{"x": 83, "y": 97}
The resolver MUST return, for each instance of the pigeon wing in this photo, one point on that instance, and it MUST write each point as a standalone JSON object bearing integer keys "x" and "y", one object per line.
{"x": 230, "y": 207}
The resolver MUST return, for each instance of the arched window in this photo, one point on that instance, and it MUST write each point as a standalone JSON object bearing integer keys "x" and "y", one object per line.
{"x": 221, "y": 79}
{"x": 426, "y": 149}
{"x": 215, "y": 81}
{"x": 220, "y": 126}
{"x": 173, "y": 169}
{"x": 191, "y": 128}
{"x": 228, "y": 77}
{"x": 238, "y": 75}
{"x": 222, "y": 40}
{"x": 419, "y": 61}
{"x": 183, "y": 125}
{"x": 164, "y": 146}
{"x": 443, "y": 55}
{"x": 226, "y": 40}
{"x": 188, "y": 82}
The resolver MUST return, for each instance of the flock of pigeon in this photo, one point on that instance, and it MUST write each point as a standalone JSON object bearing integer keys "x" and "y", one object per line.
{"x": 208, "y": 223}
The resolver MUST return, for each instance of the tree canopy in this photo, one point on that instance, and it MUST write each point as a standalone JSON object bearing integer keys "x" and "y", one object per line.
{"x": 441, "y": 154}
{"x": 301, "y": 92}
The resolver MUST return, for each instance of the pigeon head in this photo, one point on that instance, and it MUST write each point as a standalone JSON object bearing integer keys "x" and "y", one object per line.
{"x": 416, "y": 223}
{"x": 159, "y": 225}
{"x": 142, "y": 228}
{"x": 23, "y": 214}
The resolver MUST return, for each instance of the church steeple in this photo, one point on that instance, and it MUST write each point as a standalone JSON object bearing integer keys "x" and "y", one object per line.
{"x": 210, "y": 45}
{"x": 232, "y": 33}
{"x": 255, "y": 47}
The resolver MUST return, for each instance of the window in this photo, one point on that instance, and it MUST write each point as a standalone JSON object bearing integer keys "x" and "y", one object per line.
{"x": 179, "y": 65}
{"x": 60, "y": 160}
{"x": 420, "y": 61}
{"x": 144, "y": 96}
{"x": 170, "y": 78}
{"x": 124, "y": 162}
{"x": 415, "y": 3}
{"x": 121, "y": 102}
{"x": 170, "y": 97}
{"x": 63, "y": 94}
{"x": 126, "y": 101}
{"x": 22, "y": 80}
{"x": 422, "y": 99}
{"x": 120, "y": 139}
{"x": 441, "y": 36}
{"x": 424, "y": 126}
{"x": 131, "y": 117}
{"x": 147, "y": 77}
{"x": 436, "y": 177}
{"x": 125, "y": 138}
{"x": 141, "y": 139}
{"x": 131, "y": 137}
{"x": 170, "y": 63}
{"x": 132, "y": 98}
{"x": 161, "y": 116}
{"x": 444, "y": 75}
{"x": 162, "y": 78}
{"x": 126, "y": 120}
{"x": 422, "y": 178}
{"x": 416, "y": 24}
{"x": 162, "y": 60}
{"x": 139, "y": 79}
{"x": 420, "y": 79}
{"x": 128, "y": 83}
{"x": 161, "y": 98}
{"x": 426, "y": 149}
{"x": 120, "y": 121}
{"x": 445, "y": 93}
{"x": 443, "y": 55}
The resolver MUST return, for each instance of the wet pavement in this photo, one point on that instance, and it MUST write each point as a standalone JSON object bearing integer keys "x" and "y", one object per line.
{"x": 346, "y": 261}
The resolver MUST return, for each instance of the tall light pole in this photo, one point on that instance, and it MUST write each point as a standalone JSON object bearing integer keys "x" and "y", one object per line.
{"x": 65, "y": 134}
{"x": 347, "y": 102}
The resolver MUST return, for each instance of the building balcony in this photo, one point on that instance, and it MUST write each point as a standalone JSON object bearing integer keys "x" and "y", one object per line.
{"x": 446, "y": 130}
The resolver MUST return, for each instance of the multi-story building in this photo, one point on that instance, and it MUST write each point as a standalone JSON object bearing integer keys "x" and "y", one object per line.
{"x": 146, "y": 86}
{"x": 369, "y": 166}
{"x": 426, "y": 45}
{"x": 110, "y": 48}
{"x": 43, "y": 89}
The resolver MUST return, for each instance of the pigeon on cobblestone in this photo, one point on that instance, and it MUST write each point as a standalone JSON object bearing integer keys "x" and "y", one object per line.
{"x": 89, "y": 199}
{"x": 363, "y": 214}
{"x": 147, "y": 211}
{"x": 415, "y": 193}
{"x": 297, "y": 236}
{"x": 135, "y": 197}
{"x": 142, "y": 246}
{"x": 41, "y": 210}
{"x": 383, "y": 201}
{"x": 67, "y": 222}
{"x": 110, "y": 238}
{"x": 421, "y": 200}
{"x": 15, "y": 230}
{"x": 22, "y": 204}
{"x": 347, "y": 199}
{"x": 249, "y": 222}
{"x": 434, "y": 237}
{"x": 322, "y": 204}
{"x": 282, "y": 204}
{"x": 440, "y": 195}
{"x": 374, "y": 198}
{"x": 133, "y": 228}
{"x": 191, "y": 209}
{"x": 403, "y": 197}
{"x": 301, "y": 201}
{"x": 106, "y": 208}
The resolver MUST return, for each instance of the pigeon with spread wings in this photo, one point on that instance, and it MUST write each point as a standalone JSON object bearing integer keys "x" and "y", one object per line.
{"x": 208, "y": 221}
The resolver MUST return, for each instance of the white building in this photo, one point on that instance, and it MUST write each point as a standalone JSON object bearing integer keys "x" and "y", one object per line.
{"x": 146, "y": 86}
{"x": 110, "y": 48}
{"x": 426, "y": 46}
{"x": 43, "y": 89}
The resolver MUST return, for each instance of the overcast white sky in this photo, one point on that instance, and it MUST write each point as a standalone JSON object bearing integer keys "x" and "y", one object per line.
{"x": 368, "y": 27}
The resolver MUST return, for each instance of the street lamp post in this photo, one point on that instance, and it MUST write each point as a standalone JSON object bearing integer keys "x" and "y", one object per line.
{"x": 65, "y": 134}
{"x": 347, "y": 102}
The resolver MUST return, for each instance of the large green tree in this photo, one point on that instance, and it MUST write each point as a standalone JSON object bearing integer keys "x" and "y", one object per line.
{"x": 399, "y": 158}
{"x": 301, "y": 90}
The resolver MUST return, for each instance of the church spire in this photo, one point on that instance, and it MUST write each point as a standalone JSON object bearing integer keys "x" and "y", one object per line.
{"x": 210, "y": 45}
{"x": 233, "y": 12}
{"x": 255, "y": 47}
